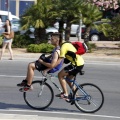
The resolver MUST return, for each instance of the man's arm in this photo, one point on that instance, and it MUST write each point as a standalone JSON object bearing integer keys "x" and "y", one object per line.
{"x": 53, "y": 62}
{"x": 59, "y": 61}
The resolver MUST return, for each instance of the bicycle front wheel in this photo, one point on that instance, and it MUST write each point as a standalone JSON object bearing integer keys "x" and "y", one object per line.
{"x": 90, "y": 99}
{"x": 40, "y": 97}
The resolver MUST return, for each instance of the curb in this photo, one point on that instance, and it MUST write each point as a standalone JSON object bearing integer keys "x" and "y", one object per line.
{"x": 21, "y": 54}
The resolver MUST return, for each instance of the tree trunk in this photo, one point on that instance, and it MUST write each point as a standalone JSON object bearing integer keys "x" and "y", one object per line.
{"x": 67, "y": 30}
{"x": 61, "y": 27}
{"x": 87, "y": 33}
{"x": 86, "y": 37}
{"x": 40, "y": 35}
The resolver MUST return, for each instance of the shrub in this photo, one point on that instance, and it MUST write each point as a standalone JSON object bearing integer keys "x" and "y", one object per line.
{"x": 113, "y": 31}
{"x": 91, "y": 46}
{"x": 43, "y": 47}
{"x": 22, "y": 41}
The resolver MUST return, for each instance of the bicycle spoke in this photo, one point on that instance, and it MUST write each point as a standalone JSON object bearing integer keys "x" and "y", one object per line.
{"x": 41, "y": 90}
{"x": 40, "y": 97}
{"x": 90, "y": 101}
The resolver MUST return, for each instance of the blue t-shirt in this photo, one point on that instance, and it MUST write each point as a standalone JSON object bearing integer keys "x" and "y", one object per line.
{"x": 58, "y": 66}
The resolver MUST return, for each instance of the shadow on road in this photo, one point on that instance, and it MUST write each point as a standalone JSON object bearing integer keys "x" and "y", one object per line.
{"x": 61, "y": 110}
{"x": 16, "y": 106}
{"x": 8, "y": 106}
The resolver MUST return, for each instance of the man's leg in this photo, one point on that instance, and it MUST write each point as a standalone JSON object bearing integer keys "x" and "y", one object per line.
{"x": 28, "y": 81}
{"x": 62, "y": 81}
{"x": 70, "y": 72}
{"x": 71, "y": 77}
{"x": 29, "y": 77}
{"x": 30, "y": 73}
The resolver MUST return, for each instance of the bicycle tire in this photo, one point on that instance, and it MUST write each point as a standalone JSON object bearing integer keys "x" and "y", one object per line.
{"x": 93, "y": 103}
{"x": 36, "y": 101}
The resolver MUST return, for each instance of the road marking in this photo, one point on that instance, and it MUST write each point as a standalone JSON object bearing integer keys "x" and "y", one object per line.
{"x": 16, "y": 114}
{"x": 17, "y": 76}
{"x": 65, "y": 113}
{"x": 32, "y": 117}
{"x": 103, "y": 63}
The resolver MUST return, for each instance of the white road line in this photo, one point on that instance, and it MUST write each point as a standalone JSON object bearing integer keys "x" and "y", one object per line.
{"x": 65, "y": 113}
{"x": 103, "y": 63}
{"x": 31, "y": 117}
{"x": 16, "y": 114}
{"x": 13, "y": 76}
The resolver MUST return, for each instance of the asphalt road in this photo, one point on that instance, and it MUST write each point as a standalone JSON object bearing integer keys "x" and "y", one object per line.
{"x": 104, "y": 74}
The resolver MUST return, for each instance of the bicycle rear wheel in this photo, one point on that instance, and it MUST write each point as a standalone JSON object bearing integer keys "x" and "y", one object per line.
{"x": 90, "y": 103}
{"x": 40, "y": 97}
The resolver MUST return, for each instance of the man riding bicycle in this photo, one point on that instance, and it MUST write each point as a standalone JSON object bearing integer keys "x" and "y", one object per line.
{"x": 77, "y": 62}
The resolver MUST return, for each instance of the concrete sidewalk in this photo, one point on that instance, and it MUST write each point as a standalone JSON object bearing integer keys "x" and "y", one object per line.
{"x": 21, "y": 54}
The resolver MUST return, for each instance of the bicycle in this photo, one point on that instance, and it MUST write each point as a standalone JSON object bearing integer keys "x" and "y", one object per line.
{"x": 87, "y": 97}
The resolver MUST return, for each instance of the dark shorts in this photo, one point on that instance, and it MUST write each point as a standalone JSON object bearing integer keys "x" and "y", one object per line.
{"x": 72, "y": 70}
{"x": 39, "y": 66}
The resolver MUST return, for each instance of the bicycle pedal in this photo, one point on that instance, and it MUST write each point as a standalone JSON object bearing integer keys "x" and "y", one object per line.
{"x": 72, "y": 103}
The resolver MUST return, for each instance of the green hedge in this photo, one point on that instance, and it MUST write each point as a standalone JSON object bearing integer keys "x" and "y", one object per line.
{"x": 91, "y": 46}
{"x": 41, "y": 48}
{"x": 21, "y": 41}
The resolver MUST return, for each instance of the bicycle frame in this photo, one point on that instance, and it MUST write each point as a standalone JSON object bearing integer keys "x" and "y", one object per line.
{"x": 85, "y": 95}
{"x": 74, "y": 82}
{"x": 48, "y": 77}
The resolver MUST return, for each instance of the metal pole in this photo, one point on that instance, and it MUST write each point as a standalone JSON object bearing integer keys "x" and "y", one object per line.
{"x": 80, "y": 28}
{"x": 7, "y": 4}
{"x": 35, "y": 1}
{"x": 17, "y": 8}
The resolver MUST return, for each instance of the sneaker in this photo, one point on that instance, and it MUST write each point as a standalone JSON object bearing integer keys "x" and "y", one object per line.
{"x": 26, "y": 88}
{"x": 59, "y": 95}
{"x": 22, "y": 84}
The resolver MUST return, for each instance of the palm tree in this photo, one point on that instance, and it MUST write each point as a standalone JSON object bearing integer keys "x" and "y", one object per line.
{"x": 42, "y": 14}
{"x": 67, "y": 12}
{"x": 114, "y": 31}
{"x": 90, "y": 14}
{"x": 39, "y": 17}
{"x": 72, "y": 14}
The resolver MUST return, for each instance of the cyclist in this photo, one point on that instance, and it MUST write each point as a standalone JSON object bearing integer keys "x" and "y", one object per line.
{"x": 76, "y": 65}
{"x": 47, "y": 66}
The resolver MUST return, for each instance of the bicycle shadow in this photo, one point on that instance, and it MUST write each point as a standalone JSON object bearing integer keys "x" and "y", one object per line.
{"x": 60, "y": 110}
{"x": 7, "y": 106}
{"x": 17, "y": 106}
